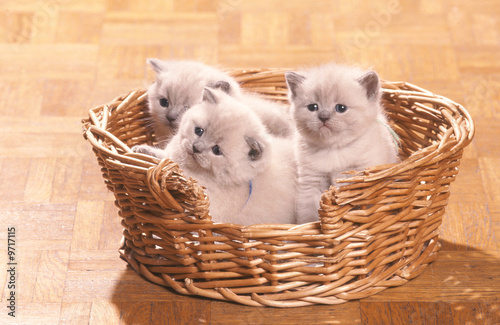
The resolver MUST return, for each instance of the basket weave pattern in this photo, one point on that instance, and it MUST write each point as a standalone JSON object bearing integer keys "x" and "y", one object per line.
{"x": 378, "y": 230}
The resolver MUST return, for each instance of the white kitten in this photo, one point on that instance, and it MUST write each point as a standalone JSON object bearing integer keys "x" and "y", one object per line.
{"x": 249, "y": 175}
{"x": 341, "y": 127}
{"x": 179, "y": 85}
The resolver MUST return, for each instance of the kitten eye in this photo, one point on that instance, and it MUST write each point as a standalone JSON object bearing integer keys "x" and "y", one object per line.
{"x": 164, "y": 102}
{"x": 312, "y": 107}
{"x": 340, "y": 108}
{"x": 216, "y": 150}
{"x": 198, "y": 131}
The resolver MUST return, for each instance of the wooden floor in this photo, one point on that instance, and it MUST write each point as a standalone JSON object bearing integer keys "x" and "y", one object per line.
{"x": 59, "y": 58}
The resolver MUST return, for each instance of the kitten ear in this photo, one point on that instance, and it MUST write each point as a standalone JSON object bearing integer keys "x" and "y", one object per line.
{"x": 370, "y": 82}
{"x": 156, "y": 64}
{"x": 222, "y": 85}
{"x": 294, "y": 81}
{"x": 209, "y": 96}
{"x": 256, "y": 149}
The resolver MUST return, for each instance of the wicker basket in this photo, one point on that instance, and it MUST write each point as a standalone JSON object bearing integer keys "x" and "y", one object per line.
{"x": 379, "y": 230}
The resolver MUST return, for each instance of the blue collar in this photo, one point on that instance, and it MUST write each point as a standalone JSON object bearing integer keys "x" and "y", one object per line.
{"x": 249, "y": 193}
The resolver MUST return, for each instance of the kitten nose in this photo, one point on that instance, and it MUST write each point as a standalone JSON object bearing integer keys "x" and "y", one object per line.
{"x": 171, "y": 119}
{"x": 323, "y": 116}
{"x": 195, "y": 150}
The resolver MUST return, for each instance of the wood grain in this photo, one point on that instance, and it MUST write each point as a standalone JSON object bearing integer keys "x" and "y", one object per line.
{"x": 60, "y": 58}
{"x": 104, "y": 312}
{"x": 455, "y": 276}
{"x": 51, "y": 276}
{"x": 224, "y": 313}
{"x": 15, "y": 173}
{"x": 491, "y": 174}
{"x": 468, "y": 226}
{"x": 75, "y": 313}
{"x": 406, "y": 313}
{"x": 86, "y": 229}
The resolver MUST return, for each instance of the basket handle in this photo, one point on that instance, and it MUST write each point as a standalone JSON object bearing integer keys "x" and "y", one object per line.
{"x": 173, "y": 191}
{"x": 330, "y": 212}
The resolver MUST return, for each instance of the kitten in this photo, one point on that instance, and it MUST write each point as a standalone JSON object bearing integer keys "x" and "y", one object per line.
{"x": 341, "y": 126}
{"x": 249, "y": 175}
{"x": 179, "y": 85}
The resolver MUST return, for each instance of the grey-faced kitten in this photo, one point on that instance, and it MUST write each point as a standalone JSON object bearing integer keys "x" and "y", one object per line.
{"x": 249, "y": 175}
{"x": 341, "y": 127}
{"x": 179, "y": 85}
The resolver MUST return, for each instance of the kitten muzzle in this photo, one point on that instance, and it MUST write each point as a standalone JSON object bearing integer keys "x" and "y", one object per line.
{"x": 197, "y": 154}
{"x": 324, "y": 116}
{"x": 171, "y": 119}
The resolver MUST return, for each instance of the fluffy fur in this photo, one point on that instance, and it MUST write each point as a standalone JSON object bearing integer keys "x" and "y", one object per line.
{"x": 276, "y": 117}
{"x": 223, "y": 145}
{"x": 340, "y": 125}
{"x": 179, "y": 86}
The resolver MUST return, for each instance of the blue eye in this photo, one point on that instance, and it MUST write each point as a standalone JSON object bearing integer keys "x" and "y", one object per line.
{"x": 198, "y": 131}
{"x": 312, "y": 107}
{"x": 164, "y": 102}
{"x": 216, "y": 150}
{"x": 340, "y": 108}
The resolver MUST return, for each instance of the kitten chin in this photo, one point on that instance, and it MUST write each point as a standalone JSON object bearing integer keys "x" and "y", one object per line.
{"x": 341, "y": 126}
{"x": 249, "y": 175}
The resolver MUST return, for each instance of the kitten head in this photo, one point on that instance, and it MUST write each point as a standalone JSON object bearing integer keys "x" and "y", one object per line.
{"x": 222, "y": 139}
{"x": 332, "y": 104}
{"x": 179, "y": 85}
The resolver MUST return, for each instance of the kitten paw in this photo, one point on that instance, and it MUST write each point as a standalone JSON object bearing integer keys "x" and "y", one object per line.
{"x": 146, "y": 150}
